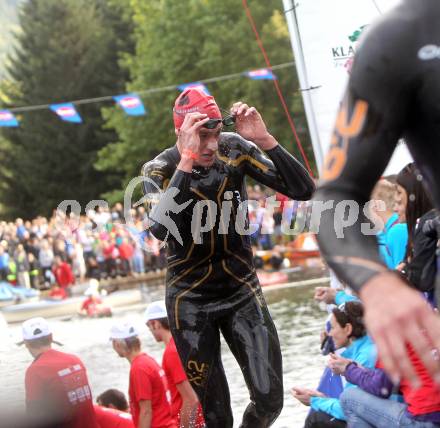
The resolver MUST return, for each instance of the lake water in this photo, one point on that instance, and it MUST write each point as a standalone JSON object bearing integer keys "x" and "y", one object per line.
{"x": 298, "y": 319}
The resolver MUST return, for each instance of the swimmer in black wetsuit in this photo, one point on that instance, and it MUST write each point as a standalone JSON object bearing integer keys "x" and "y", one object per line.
{"x": 212, "y": 285}
{"x": 393, "y": 92}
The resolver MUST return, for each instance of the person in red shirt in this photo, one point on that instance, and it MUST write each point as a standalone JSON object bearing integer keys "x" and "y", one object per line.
{"x": 93, "y": 306}
{"x": 56, "y": 384}
{"x": 148, "y": 389}
{"x": 126, "y": 251}
{"x": 113, "y": 399}
{"x": 63, "y": 273}
{"x": 370, "y": 405}
{"x": 57, "y": 293}
{"x": 185, "y": 406}
{"x": 112, "y": 418}
{"x": 111, "y": 253}
{"x": 112, "y": 410}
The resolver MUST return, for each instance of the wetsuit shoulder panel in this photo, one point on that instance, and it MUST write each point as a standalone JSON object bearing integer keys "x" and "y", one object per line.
{"x": 276, "y": 168}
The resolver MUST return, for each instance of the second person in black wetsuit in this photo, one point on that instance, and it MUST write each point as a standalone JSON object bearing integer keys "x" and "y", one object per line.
{"x": 212, "y": 285}
{"x": 393, "y": 92}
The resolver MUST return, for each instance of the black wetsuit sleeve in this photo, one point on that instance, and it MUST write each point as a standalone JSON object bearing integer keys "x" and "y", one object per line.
{"x": 164, "y": 188}
{"x": 371, "y": 119}
{"x": 281, "y": 172}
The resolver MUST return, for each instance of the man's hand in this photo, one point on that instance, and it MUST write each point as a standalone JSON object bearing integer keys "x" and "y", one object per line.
{"x": 338, "y": 364}
{"x": 325, "y": 294}
{"x": 250, "y": 125}
{"x": 188, "y": 139}
{"x": 401, "y": 266}
{"x": 303, "y": 395}
{"x": 190, "y": 403}
{"x": 395, "y": 316}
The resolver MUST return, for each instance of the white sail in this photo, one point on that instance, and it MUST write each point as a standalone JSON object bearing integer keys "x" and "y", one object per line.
{"x": 324, "y": 36}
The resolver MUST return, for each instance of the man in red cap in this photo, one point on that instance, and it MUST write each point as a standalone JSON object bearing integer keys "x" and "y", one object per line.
{"x": 196, "y": 194}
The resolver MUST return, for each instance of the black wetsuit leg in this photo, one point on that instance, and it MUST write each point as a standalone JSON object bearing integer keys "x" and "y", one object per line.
{"x": 252, "y": 338}
{"x": 197, "y": 338}
{"x": 240, "y": 313}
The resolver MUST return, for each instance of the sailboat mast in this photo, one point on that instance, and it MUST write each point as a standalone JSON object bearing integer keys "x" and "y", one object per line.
{"x": 305, "y": 86}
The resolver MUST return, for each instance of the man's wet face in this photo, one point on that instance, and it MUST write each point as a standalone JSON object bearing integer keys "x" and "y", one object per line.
{"x": 208, "y": 145}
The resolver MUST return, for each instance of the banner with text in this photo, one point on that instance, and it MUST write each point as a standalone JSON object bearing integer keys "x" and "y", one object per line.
{"x": 329, "y": 34}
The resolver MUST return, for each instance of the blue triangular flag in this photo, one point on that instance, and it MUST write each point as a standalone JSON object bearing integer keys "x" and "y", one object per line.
{"x": 131, "y": 104}
{"x": 7, "y": 118}
{"x": 67, "y": 112}
{"x": 261, "y": 74}
{"x": 196, "y": 85}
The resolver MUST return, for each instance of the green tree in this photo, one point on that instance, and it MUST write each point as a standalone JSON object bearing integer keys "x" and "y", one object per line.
{"x": 66, "y": 50}
{"x": 183, "y": 41}
{"x": 8, "y": 25}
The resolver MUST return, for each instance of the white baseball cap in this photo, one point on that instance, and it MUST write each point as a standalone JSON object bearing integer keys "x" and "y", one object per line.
{"x": 155, "y": 311}
{"x": 123, "y": 331}
{"x": 93, "y": 289}
{"x": 35, "y": 328}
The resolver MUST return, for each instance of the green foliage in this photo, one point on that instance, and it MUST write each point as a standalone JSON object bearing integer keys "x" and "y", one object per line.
{"x": 182, "y": 41}
{"x": 8, "y": 26}
{"x": 77, "y": 49}
{"x": 67, "y": 50}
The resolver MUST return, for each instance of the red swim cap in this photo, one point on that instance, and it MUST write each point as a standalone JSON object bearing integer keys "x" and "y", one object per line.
{"x": 194, "y": 100}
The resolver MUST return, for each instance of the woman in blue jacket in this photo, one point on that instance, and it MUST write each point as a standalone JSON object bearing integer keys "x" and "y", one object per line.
{"x": 347, "y": 330}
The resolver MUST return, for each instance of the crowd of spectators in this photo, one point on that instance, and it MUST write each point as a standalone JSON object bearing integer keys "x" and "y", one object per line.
{"x": 354, "y": 390}
{"x": 64, "y": 249}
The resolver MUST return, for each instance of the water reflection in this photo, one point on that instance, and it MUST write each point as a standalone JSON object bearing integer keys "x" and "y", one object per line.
{"x": 297, "y": 318}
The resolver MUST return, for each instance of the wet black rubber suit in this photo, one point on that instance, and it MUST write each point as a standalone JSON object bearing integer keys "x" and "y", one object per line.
{"x": 393, "y": 93}
{"x": 212, "y": 286}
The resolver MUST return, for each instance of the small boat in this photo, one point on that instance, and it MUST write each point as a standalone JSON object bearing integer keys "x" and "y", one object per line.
{"x": 10, "y": 294}
{"x": 293, "y": 254}
{"x": 304, "y": 247}
{"x": 58, "y": 308}
{"x": 276, "y": 277}
{"x": 271, "y": 278}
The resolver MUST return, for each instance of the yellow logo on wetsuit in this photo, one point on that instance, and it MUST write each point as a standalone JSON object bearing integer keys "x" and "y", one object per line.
{"x": 197, "y": 372}
{"x": 345, "y": 129}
